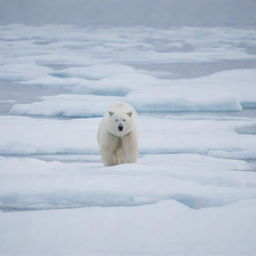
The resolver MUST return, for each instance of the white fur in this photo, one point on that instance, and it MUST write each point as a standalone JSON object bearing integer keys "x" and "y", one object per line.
{"x": 118, "y": 147}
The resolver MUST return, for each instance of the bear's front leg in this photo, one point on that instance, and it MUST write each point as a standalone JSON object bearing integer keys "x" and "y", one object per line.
{"x": 130, "y": 147}
{"x": 108, "y": 158}
{"x": 120, "y": 154}
{"x": 108, "y": 149}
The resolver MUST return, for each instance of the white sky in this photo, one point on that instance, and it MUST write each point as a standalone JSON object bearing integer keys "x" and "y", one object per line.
{"x": 130, "y": 12}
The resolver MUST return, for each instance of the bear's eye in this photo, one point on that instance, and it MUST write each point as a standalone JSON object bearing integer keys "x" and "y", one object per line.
{"x": 124, "y": 120}
{"x": 116, "y": 120}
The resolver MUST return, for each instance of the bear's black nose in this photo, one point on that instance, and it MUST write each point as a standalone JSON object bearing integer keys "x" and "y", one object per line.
{"x": 120, "y": 127}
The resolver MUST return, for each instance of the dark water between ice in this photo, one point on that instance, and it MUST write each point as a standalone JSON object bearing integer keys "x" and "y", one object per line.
{"x": 193, "y": 70}
{"x": 13, "y": 93}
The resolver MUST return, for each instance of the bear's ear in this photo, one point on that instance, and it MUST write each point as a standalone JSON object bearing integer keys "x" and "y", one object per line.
{"x": 111, "y": 113}
{"x": 129, "y": 113}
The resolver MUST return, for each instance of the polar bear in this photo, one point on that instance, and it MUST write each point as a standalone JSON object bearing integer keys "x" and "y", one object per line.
{"x": 117, "y": 135}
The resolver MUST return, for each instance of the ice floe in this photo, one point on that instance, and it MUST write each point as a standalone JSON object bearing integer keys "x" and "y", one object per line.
{"x": 48, "y": 185}
{"x": 24, "y": 135}
{"x": 165, "y": 228}
{"x": 22, "y": 72}
{"x": 95, "y": 72}
{"x": 67, "y": 46}
{"x": 67, "y": 105}
{"x": 223, "y": 91}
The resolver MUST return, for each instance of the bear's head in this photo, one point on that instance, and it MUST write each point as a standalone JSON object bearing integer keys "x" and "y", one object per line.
{"x": 120, "y": 123}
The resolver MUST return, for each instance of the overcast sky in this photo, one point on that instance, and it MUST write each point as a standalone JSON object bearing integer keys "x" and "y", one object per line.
{"x": 130, "y": 12}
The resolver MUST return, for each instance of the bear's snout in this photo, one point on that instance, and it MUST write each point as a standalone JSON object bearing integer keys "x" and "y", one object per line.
{"x": 120, "y": 127}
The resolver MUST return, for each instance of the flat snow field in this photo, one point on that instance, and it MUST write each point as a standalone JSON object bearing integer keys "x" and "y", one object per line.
{"x": 192, "y": 191}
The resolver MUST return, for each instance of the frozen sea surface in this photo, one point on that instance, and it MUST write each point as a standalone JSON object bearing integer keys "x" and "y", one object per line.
{"x": 193, "y": 189}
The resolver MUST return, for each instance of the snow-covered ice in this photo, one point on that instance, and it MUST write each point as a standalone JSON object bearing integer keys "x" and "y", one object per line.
{"x": 155, "y": 178}
{"x": 165, "y": 228}
{"x": 67, "y": 105}
{"x": 22, "y": 72}
{"x": 182, "y": 197}
{"x": 95, "y": 72}
{"x": 67, "y": 46}
{"x": 192, "y": 191}
{"x": 222, "y": 91}
{"x": 24, "y": 135}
